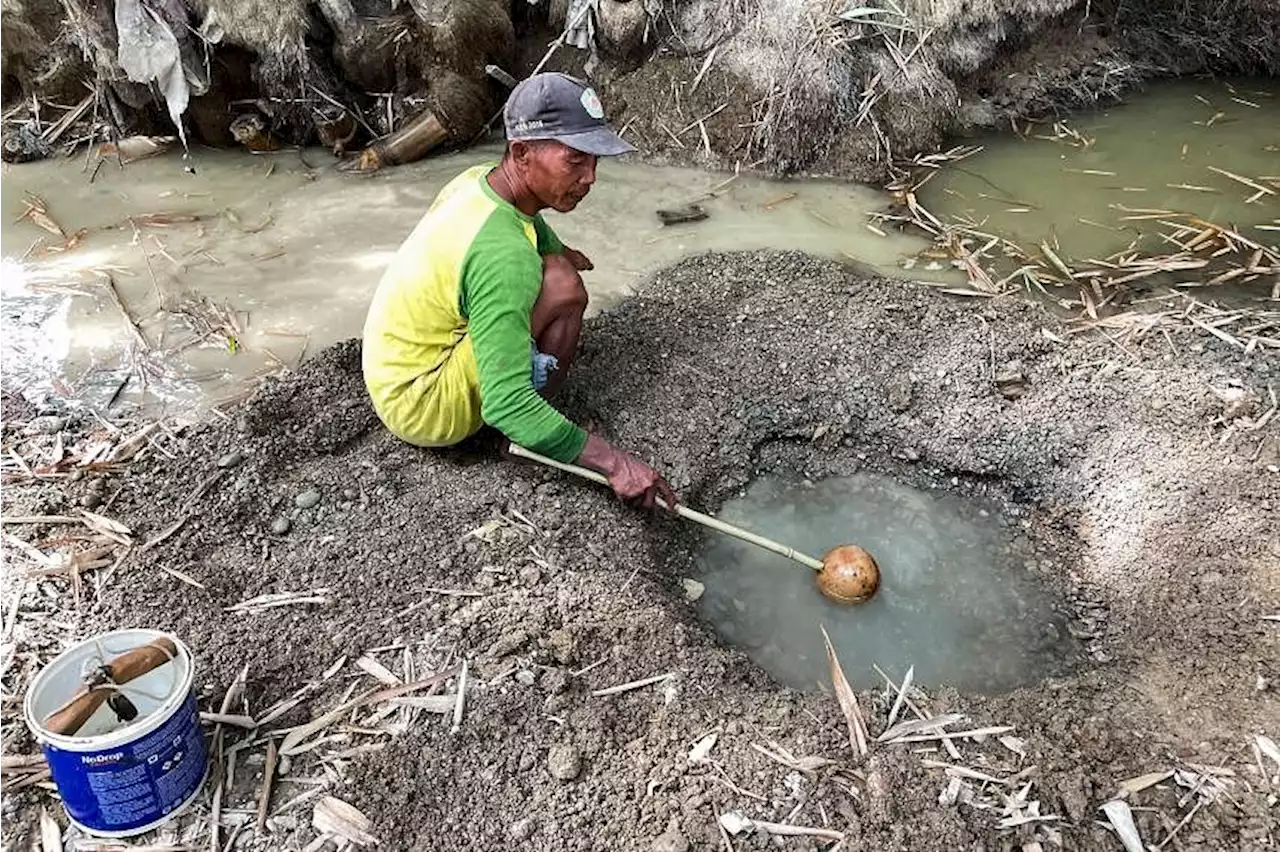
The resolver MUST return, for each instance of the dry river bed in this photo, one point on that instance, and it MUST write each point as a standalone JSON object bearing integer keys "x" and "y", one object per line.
{"x": 1149, "y": 479}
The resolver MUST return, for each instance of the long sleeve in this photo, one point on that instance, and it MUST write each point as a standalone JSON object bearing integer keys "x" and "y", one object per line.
{"x": 500, "y": 283}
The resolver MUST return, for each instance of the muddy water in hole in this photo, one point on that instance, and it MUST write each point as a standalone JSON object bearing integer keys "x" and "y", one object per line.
{"x": 958, "y": 599}
{"x": 295, "y": 254}
{"x": 1156, "y": 152}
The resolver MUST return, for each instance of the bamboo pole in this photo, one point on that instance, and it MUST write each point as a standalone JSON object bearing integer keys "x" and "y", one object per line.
{"x": 683, "y": 511}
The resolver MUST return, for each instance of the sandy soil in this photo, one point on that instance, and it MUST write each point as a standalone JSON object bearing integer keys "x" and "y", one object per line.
{"x": 1152, "y": 507}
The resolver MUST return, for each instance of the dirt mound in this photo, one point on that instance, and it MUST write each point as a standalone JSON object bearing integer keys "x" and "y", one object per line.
{"x": 1154, "y": 523}
{"x": 847, "y": 87}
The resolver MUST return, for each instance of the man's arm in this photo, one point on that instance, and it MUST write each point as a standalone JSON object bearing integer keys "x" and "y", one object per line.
{"x": 495, "y": 288}
{"x": 497, "y": 300}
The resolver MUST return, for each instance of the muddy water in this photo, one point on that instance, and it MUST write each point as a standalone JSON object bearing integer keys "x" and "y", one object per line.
{"x": 956, "y": 600}
{"x": 1084, "y": 184}
{"x": 283, "y": 258}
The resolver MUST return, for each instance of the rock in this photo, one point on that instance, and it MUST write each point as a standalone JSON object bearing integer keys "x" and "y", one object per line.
{"x": 521, "y": 829}
{"x": 680, "y": 215}
{"x": 47, "y": 425}
{"x": 92, "y": 500}
{"x": 1011, "y": 381}
{"x": 530, "y": 575}
{"x": 692, "y": 589}
{"x": 281, "y": 526}
{"x": 564, "y": 762}
{"x": 671, "y": 840}
{"x": 283, "y": 823}
{"x": 899, "y": 396}
{"x": 99, "y": 485}
{"x": 508, "y": 643}
{"x": 525, "y": 677}
{"x": 561, "y": 642}
{"x": 230, "y": 460}
{"x": 308, "y": 499}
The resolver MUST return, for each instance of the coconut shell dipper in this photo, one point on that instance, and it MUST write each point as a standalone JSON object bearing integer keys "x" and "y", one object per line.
{"x": 847, "y": 574}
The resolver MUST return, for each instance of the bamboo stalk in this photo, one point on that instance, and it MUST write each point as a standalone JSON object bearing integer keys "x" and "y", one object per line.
{"x": 683, "y": 511}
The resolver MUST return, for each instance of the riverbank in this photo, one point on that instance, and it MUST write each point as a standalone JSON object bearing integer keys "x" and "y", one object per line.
{"x": 1149, "y": 476}
{"x": 814, "y": 87}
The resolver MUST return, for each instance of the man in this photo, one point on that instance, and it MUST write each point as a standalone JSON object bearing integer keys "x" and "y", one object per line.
{"x": 478, "y": 316}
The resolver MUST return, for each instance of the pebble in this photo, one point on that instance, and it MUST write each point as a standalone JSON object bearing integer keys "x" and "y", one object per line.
{"x": 99, "y": 485}
{"x": 521, "y": 829}
{"x": 230, "y": 460}
{"x": 46, "y": 425}
{"x": 308, "y": 499}
{"x": 561, "y": 643}
{"x": 564, "y": 762}
{"x": 283, "y": 823}
{"x": 692, "y": 589}
{"x": 1011, "y": 381}
{"x": 280, "y": 526}
{"x": 525, "y": 677}
{"x": 92, "y": 500}
{"x": 530, "y": 575}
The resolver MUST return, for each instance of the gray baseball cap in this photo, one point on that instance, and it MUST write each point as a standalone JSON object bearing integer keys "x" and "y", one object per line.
{"x": 557, "y": 106}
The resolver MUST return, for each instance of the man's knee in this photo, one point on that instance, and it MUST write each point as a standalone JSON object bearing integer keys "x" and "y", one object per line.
{"x": 562, "y": 287}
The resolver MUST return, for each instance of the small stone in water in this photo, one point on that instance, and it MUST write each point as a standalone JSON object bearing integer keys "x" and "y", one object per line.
{"x": 230, "y": 460}
{"x": 280, "y": 526}
{"x": 308, "y": 499}
{"x": 692, "y": 589}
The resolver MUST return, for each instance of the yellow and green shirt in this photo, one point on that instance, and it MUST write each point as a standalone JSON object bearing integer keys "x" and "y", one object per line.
{"x": 447, "y": 339}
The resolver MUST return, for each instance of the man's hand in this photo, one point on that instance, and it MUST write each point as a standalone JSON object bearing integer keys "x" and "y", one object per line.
{"x": 579, "y": 260}
{"x": 630, "y": 478}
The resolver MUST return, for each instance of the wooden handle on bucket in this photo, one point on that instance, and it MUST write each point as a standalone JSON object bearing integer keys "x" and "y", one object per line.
{"x": 128, "y": 666}
{"x": 682, "y": 511}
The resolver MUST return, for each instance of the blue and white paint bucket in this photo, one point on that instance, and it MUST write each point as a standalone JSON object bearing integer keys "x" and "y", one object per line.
{"x": 118, "y": 779}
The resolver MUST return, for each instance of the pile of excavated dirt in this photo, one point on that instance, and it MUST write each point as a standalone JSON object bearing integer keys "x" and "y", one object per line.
{"x": 1154, "y": 523}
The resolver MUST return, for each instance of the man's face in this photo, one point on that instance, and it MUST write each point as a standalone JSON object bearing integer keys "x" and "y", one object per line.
{"x": 558, "y": 175}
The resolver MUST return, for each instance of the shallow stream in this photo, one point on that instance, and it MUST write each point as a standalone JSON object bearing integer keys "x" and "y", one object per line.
{"x": 1093, "y": 183}
{"x": 284, "y": 258}
{"x": 956, "y": 600}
